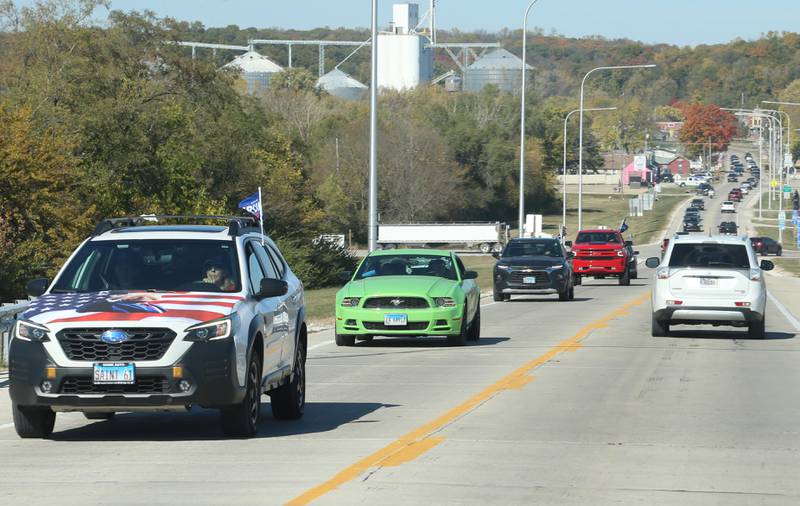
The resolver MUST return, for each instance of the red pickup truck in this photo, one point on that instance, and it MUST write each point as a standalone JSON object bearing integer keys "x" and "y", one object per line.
{"x": 602, "y": 253}
{"x": 735, "y": 195}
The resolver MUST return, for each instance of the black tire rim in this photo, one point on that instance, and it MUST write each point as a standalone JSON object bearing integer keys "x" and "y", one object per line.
{"x": 252, "y": 395}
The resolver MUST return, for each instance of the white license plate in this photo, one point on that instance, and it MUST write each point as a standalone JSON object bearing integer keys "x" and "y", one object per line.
{"x": 114, "y": 374}
{"x": 529, "y": 280}
{"x": 395, "y": 320}
{"x": 708, "y": 282}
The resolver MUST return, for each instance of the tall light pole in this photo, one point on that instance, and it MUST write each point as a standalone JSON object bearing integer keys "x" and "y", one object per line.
{"x": 522, "y": 119}
{"x": 770, "y": 152}
{"x": 373, "y": 133}
{"x": 788, "y": 121}
{"x": 580, "y": 133}
{"x": 564, "y": 168}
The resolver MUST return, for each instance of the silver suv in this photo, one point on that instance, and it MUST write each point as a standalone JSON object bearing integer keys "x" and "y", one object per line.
{"x": 152, "y": 314}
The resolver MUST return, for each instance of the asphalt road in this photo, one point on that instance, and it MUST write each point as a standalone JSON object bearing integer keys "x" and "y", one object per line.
{"x": 558, "y": 403}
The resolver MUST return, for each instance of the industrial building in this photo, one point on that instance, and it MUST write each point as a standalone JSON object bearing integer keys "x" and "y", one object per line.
{"x": 499, "y": 68}
{"x": 340, "y": 84}
{"x": 256, "y": 70}
{"x": 405, "y": 57}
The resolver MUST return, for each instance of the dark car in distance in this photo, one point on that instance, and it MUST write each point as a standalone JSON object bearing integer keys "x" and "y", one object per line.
{"x": 766, "y": 246}
{"x": 728, "y": 227}
{"x": 536, "y": 266}
{"x": 699, "y": 204}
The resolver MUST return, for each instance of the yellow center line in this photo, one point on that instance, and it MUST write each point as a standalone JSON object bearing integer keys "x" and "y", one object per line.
{"x": 420, "y": 440}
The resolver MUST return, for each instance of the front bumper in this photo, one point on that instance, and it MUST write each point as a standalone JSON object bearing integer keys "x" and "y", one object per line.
{"x": 599, "y": 267}
{"x": 208, "y": 367}
{"x": 548, "y": 281}
{"x": 434, "y": 321}
{"x": 708, "y": 315}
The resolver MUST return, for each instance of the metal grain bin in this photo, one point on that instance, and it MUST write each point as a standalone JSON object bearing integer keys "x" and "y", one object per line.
{"x": 499, "y": 68}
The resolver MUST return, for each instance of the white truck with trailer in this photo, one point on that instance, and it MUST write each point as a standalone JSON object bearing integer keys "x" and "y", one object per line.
{"x": 488, "y": 237}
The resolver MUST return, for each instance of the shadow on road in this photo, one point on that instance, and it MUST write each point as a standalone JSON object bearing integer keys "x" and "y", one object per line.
{"x": 729, "y": 334}
{"x": 423, "y": 342}
{"x": 525, "y": 298}
{"x": 203, "y": 424}
{"x": 633, "y": 283}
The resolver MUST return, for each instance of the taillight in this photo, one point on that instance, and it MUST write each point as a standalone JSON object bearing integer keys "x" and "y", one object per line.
{"x": 742, "y": 304}
{"x": 674, "y": 302}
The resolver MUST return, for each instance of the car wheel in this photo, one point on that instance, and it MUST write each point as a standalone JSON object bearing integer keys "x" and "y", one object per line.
{"x": 486, "y": 247}
{"x": 564, "y": 296}
{"x": 578, "y": 281}
{"x": 288, "y": 402}
{"x": 475, "y": 326}
{"x": 33, "y": 421}
{"x": 780, "y": 252}
{"x": 100, "y": 416}
{"x": 572, "y": 293}
{"x": 757, "y": 329}
{"x": 658, "y": 328}
{"x": 497, "y": 296}
{"x": 241, "y": 420}
{"x": 345, "y": 340}
{"x": 506, "y": 297}
{"x": 625, "y": 279}
{"x": 461, "y": 338}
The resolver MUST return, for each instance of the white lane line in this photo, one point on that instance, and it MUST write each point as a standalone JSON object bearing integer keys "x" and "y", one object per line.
{"x": 785, "y": 311}
{"x": 6, "y": 426}
{"x": 320, "y": 345}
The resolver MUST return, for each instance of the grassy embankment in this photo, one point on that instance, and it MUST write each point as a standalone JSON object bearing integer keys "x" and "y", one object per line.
{"x": 607, "y": 210}
{"x": 767, "y": 226}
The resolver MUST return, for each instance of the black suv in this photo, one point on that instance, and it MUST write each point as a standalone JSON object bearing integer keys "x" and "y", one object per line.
{"x": 533, "y": 266}
{"x": 728, "y": 227}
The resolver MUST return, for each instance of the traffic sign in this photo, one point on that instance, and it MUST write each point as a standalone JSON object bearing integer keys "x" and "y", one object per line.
{"x": 787, "y": 160}
{"x": 773, "y": 183}
{"x": 787, "y": 188}
{"x": 639, "y": 163}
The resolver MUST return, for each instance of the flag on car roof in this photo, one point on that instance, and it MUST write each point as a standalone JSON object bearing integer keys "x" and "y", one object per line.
{"x": 252, "y": 205}
{"x": 623, "y": 226}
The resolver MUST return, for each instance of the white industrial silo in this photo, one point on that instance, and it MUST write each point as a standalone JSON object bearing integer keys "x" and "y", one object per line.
{"x": 405, "y": 58}
{"x": 256, "y": 70}
{"x": 340, "y": 84}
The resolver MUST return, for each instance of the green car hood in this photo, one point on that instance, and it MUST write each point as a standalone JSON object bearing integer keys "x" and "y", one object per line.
{"x": 401, "y": 285}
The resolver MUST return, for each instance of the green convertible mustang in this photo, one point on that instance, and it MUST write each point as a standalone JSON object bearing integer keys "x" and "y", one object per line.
{"x": 409, "y": 293}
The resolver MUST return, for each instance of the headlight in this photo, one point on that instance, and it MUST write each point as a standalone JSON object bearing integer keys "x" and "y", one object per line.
{"x": 445, "y": 302}
{"x": 621, "y": 253}
{"x": 351, "y": 301}
{"x": 210, "y": 331}
{"x": 31, "y": 332}
{"x": 503, "y": 267}
{"x": 556, "y": 267}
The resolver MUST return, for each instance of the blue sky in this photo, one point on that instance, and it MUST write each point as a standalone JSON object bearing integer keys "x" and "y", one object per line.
{"x": 682, "y": 22}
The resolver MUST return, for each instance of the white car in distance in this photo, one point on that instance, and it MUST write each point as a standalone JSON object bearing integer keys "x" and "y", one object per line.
{"x": 714, "y": 280}
{"x": 728, "y": 207}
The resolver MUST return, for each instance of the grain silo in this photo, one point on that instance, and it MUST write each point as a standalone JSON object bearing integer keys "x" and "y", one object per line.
{"x": 499, "y": 68}
{"x": 405, "y": 58}
{"x": 256, "y": 70}
{"x": 340, "y": 84}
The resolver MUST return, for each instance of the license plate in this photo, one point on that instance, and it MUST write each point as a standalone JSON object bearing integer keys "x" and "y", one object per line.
{"x": 708, "y": 282}
{"x": 114, "y": 374}
{"x": 529, "y": 280}
{"x": 395, "y": 320}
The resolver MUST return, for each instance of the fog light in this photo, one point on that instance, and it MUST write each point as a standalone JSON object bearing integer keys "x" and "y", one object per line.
{"x": 184, "y": 386}
{"x": 51, "y": 373}
{"x": 46, "y": 386}
{"x": 177, "y": 372}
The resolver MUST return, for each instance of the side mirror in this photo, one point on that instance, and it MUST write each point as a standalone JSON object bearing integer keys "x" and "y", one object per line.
{"x": 496, "y": 254}
{"x": 570, "y": 254}
{"x": 470, "y": 275}
{"x": 345, "y": 276}
{"x": 568, "y": 244}
{"x": 272, "y": 288}
{"x": 635, "y": 252}
{"x": 767, "y": 265}
{"x": 37, "y": 287}
{"x": 653, "y": 262}
{"x": 628, "y": 243}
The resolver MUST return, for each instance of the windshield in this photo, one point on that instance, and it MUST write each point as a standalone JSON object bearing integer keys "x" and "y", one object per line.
{"x": 157, "y": 265}
{"x": 731, "y": 256}
{"x": 407, "y": 265}
{"x": 532, "y": 248}
{"x": 598, "y": 238}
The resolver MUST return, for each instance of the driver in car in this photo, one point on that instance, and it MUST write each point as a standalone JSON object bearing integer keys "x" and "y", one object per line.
{"x": 216, "y": 274}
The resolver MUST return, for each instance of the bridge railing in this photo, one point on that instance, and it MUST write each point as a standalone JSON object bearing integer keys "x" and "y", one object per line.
{"x": 8, "y": 316}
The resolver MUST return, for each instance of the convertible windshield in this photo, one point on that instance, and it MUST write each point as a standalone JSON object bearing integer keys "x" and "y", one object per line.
{"x": 407, "y": 265}
{"x": 597, "y": 238}
{"x": 549, "y": 248}
{"x": 158, "y": 265}
{"x": 728, "y": 256}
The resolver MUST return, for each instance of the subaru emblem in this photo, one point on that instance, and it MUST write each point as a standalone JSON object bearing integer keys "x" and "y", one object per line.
{"x": 114, "y": 336}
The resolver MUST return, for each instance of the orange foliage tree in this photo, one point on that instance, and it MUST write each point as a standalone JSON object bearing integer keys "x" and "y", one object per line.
{"x": 706, "y": 124}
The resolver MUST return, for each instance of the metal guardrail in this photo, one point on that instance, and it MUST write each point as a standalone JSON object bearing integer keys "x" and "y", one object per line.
{"x": 8, "y": 315}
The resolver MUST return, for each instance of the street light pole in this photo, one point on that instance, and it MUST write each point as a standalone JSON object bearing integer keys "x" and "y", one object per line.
{"x": 564, "y": 167}
{"x": 522, "y": 120}
{"x": 580, "y": 133}
{"x": 373, "y": 134}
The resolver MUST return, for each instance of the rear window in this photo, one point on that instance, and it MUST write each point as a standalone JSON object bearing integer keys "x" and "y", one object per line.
{"x": 598, "y": 238}
{"x": 709, "y": 255}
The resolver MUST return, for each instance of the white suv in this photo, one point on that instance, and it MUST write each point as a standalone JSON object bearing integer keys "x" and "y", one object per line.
{"x": 728, "y": 207}
{"x": 160, "y": 317}
{"x": 714, "y": 280}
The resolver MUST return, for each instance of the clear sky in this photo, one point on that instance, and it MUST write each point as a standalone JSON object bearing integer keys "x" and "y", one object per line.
{"x": 682, "y": 22}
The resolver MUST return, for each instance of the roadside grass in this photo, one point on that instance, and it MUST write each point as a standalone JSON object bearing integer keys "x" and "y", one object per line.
{"x": 790, "y": 265}
{"x": 320, "y": 302}
{"x": 609, "y": 210}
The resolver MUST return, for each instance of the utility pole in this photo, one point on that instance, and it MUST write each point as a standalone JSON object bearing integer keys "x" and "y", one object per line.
{"x": 373, "y": 134}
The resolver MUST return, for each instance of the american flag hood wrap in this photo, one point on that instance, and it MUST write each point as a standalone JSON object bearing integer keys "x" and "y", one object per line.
{"x": 124, "y": 306}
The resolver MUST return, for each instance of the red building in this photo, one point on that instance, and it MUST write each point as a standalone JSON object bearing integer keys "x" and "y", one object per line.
{"x": 678, "y": 165}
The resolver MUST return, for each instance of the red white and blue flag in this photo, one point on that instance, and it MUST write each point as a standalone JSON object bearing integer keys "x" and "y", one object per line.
{"x": 105, "y": 306}
{"x": 252, "y": 205}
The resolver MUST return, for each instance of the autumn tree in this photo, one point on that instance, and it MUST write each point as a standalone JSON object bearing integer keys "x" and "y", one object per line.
{"x": 706, "y": 125}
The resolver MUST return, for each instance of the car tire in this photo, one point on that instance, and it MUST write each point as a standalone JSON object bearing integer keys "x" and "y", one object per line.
{"x": 486, "y": 247}
{"x": 345, "y": 340}
{"x": 241, "y": 420}
{"x": 780, "y": 252}
{"x": 33, "y": 421}
{"x": 506, "y": 297}
{"x": 578, "y": 281}
{"x": 288, "y": 402}
{"x": 658, "y": 328}
{"x": 459, "y": 339}
{"x": 625, "y": 279}
{"x": 498, "y": 297}
{"x": 108, "y": 415}
{"x": 564, "y": 296}
{"x": 475, "y": 326}
{"x": 757, "y": 329}
{"x": 572, "y": 293}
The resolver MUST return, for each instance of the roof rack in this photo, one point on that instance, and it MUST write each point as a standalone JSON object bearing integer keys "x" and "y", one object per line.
{"x": 237, "y": 225}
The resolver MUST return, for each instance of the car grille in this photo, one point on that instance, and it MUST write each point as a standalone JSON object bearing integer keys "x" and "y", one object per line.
{"x": 517, "y": 278}
{"x": 146, "y": 385}
{"x": 143, "y": 344}
{"x": 409, "y": 326}
{"x": 396, "y": 303}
